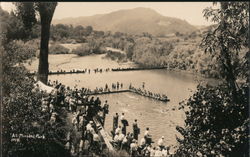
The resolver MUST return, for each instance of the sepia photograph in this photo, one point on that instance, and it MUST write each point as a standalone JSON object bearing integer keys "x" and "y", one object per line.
{"x": 124, "y": 79}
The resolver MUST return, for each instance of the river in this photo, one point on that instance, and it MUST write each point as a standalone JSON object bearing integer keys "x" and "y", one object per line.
{"x": 162, "y": 118}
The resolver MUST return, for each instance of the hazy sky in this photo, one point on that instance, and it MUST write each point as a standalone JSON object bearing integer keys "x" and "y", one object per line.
{"x": 189, "y": 11}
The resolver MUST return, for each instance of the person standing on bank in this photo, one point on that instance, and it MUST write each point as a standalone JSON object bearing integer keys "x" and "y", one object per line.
{"x": 136, "y": 130}
{"x": 148, "y": 137}
{"x": 105, "y": 110}
{"x": 115, "y": 121}
{"x": 125, "y": 124}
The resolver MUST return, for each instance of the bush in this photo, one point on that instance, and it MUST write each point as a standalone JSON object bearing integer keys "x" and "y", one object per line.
{"x": 58, "y": 49}
{"x": 82, "y": 50}
{"x": 22, "y": 112}
{"x": 116, "y": 56}
{"x": 87, "y": 49}
{"x": 216, "y": 123}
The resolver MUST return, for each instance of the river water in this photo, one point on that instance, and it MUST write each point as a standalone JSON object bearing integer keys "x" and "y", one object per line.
{"x": 162, "y": 118}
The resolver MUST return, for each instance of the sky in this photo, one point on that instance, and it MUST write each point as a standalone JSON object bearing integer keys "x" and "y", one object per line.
{"x": 189, "y": 11}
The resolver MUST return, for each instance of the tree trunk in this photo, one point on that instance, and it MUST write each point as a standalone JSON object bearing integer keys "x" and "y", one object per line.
{"x": 43, "y": 67}
{"x": 46, "y": 11}
{"x": 226, "y": 58}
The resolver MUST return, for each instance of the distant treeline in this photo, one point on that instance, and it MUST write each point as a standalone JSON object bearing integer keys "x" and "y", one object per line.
{"x": 179, "y": 51}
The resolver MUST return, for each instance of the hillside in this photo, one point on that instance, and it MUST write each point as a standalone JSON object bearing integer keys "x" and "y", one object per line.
{"x": 133, "y": 21}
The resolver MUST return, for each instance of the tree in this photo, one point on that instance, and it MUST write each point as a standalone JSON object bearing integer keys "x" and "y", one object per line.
{"x": 217, "y": 117}
{"x": 26, "y": 13}
{"x": 46, "y": 11}
{"x": 88, "y": 30}
{"x": 229, "y": 37}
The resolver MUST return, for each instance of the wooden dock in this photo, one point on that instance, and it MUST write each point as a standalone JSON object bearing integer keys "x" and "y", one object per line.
{"x": 112, "y": 70}
{"x": 126, "y": 90}
{"x": 110, "y": 92}
{"x": 104, "y": 135}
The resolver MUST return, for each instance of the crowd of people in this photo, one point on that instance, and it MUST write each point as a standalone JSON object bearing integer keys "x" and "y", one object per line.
{"x": 83, "y": 109}
{"x": 87, "y": 71}
{"x": 146, "y": 93}
{"x": 136, "y": 68}
{"x": 123, "y": 140}
{"x": 98, "y": 90}
{"x": 83, "y": 137}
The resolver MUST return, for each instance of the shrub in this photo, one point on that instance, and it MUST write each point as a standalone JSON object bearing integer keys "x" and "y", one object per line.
{"x": 216, "y": 124}
{"x": 82, "y": 50}
{"x": 87, "y": 49}
{"x": 58, "y": 49}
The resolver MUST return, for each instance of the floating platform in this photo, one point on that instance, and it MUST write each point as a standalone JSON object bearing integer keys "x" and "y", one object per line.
{"x": 135, "y": 69}
{"x": 127, "y": 90}
{"x": 113, "y": 70}
{"x": 110, "y": 92}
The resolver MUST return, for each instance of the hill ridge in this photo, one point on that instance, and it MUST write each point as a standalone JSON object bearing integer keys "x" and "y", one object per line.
{"x": 132, "y": 21}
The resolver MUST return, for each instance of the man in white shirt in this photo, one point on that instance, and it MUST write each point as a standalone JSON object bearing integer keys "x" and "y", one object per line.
{"x": 116, "y": 138}
{"x": 89, "y": 126}
{"x": 118, "y": 130}
{"x": 143, "y": 141}
{"x": 161, "y": 142}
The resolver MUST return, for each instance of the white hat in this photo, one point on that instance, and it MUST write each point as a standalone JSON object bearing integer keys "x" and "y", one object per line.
{"x": 162, "y": 137}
